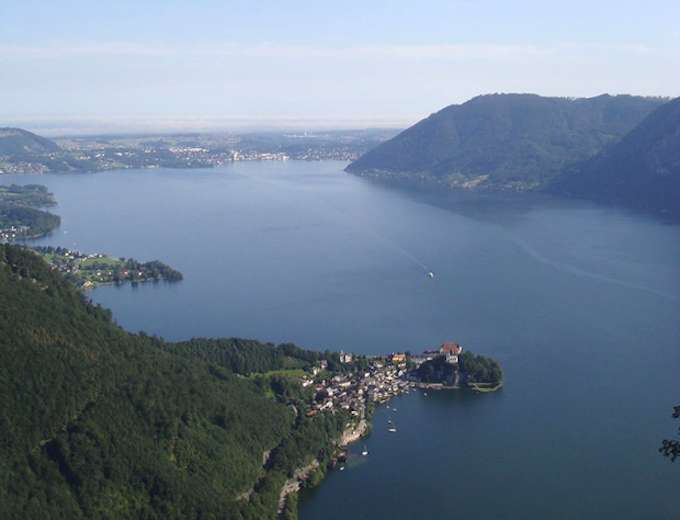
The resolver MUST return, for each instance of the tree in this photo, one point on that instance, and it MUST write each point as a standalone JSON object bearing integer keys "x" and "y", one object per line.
{"x": 671, "y": 447}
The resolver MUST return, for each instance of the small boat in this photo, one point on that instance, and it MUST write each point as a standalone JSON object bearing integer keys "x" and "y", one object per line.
{"x": 430, "y": 274}
{"x": 342, "y": 468}
{"x": 392, "y": 429}
{"x": 425, "y": 394}
{"x": 364, "y": 452}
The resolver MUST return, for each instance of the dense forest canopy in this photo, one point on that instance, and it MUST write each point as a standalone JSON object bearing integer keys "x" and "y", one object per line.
{"x": 504, "y": 141}
{"x": 642, "y": 171}
{"x": 99, "y": 423}
{"x": 472, "y": 368}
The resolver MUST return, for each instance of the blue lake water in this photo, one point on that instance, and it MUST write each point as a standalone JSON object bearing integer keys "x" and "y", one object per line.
{"x": 579, "y": 303}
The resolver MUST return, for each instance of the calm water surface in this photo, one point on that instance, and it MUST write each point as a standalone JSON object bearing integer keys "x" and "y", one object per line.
{"x": 580, "y": 304}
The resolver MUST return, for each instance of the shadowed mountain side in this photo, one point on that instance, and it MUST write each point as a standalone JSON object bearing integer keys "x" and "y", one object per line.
{"x": 512, "y": 142}
{"x": 642, "y": 171}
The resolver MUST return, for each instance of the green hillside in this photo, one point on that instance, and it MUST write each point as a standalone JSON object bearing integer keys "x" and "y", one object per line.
{"x": 99, "y": 423}
{"x": 503, "y": 141}
{"x": 642, "y": 171}
{"x": 18, "y": 143}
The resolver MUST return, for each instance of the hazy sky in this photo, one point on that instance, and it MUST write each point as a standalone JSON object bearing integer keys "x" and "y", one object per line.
{"x": 343, "y": 62}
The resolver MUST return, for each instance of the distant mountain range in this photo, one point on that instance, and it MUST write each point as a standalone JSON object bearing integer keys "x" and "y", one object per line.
{"x": 614, "y": 149}
{"x": 504, "y": 141}
{"x": 641, "y": 171}
{"x": 16, "y": 142}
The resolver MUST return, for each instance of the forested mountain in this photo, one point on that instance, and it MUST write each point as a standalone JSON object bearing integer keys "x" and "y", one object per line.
{"x": 99, "y": 423}
{"x": 641, "y": 171}
{"x": 503, "y": 141}
{"x": 18, "y": 143}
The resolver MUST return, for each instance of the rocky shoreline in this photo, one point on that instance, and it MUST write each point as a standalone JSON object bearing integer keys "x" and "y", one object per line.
{"x": 377, "y": 382}
{"x": 303, "y": 474}
{"x": 293, "y": 484}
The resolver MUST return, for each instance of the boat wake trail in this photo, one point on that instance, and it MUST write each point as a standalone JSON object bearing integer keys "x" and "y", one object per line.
{"x": 588, "y": 274}
{"x": 386, "y": 241}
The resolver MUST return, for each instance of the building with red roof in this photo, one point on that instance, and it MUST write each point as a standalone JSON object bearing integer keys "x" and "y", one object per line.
{"x": 451, "y": 351}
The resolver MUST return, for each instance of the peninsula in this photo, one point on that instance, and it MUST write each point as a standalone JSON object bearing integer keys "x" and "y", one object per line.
{"x": 89, "y": 270}
{"x": 21, "y": 213}
{"x": 354, "y": 386}
{"x": 228, "y": 427}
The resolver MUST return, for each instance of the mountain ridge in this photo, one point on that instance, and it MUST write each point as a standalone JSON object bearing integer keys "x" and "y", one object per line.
{"x": 641, "y": 171}
{"x": 512, "y": 142}
{"x": 18, "y": 142}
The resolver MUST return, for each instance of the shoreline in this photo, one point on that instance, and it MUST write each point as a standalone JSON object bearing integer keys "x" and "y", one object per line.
{"x": 303, "y": 474}
{"x": 92, "y": 285}
{"x": 353, "y": 434}
{"x": 485, "y": 388}
{"x": 475, "y": 387}
{"x": 89, "y": 271}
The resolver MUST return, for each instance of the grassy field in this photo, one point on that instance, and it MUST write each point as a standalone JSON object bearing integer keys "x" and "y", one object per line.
{"x": 293, "y": 373}
{"x": 107, "y": 261}
{"x": 85, "y": 270}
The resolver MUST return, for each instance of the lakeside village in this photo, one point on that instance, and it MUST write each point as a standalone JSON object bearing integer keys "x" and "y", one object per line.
{"x": 356, "y": 384}
{"x": 86, "y": 271}
{"x": 378, "y": 379}
{"x": 12, "y": 232}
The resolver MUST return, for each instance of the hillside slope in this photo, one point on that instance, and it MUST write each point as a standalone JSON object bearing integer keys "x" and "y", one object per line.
{"x": 18, "y": 143}
{"x": 99, "y": 423}
{"x": 503, "y": 141}
{"x": 641, "y": 171}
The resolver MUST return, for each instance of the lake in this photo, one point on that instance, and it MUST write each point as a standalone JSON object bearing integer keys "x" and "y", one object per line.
{"x": 579, "y": 303}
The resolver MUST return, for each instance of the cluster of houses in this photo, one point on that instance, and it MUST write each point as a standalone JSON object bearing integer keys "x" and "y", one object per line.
{"x": 12, "y": 232}
{"x": 252, "y": 155}
{"x": 449, "y": 351}
{"x": 68, "y": 260}
{"x": 384, "y": 378}
{"x": 380, "y": 381}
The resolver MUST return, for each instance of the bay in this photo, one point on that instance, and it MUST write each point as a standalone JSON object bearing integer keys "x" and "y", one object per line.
{"x": 579, "y": 303}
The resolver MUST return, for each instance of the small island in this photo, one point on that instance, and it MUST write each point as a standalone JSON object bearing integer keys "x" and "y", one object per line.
{"x": 20, "y": 214}
{"x": 89, "y": 270}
